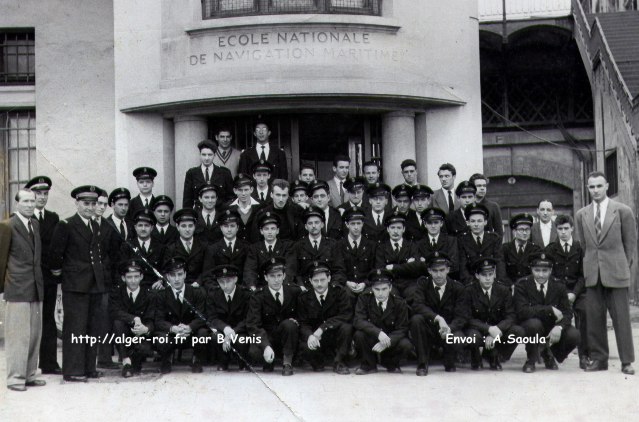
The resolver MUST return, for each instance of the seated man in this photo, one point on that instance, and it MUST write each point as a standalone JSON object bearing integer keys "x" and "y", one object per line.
{"x": 420, "y": 201}
{"x": 487, "y": 306}
{"x": 320, "y": 197}
{"x": 179, "y": 317}
{"x": 132, "y": 311}
{"x": 544, "y": 311}
{"x": 402, "y": 197}
{"x": 226, "y": 308}
{"x": 436, "y": 317}
{"x": 246, "y": 206}
{"x": 191, "y": 249}
{"x": 272, "y": 316}
{"x": 262, "y": 171}
{"x": 358, "y": 251}
{"x": 324, "y": 314}
{"x": 517, "y": 252}
{"x": 381, "y": 325}
{"x": 355, "y": 187}
{"x": 290, "y": 214}
{"x": 164, "y": 232}
{"x": 299, "y": 193}
{"x": 206, "y": 227}
{"x": 457, "y": 224}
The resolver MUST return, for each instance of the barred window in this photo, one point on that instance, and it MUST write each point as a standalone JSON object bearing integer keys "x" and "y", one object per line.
{"x": 227, "y": 8}
{"x": 17, "y": 57}
{"x": 17, "y": 137}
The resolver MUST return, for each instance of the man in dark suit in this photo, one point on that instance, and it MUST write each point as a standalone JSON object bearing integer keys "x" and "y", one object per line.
{"x": 119, "y": 200}
{"x": 436, "y": 320}
{"x": 40, "y": 185}
{"x": 206, "y": 172}
{"x": 517, "y": 252}
{"x": 381, "y": 325}
{"x": 23, "y": 286}
{"x": 378, "y": 197}
{"x": 320, "y": 197}
{"x": 402, "y": 198}
{"x": 544, "y": 312}
{"x": 607, "y": 230}
{"x": 456, "y": 224}
{"x": 206, "y": 227}
{"x": 162, "y": 207}
{"x": 420, "y": 201}
{"x": 263, "y": 150}
{"x": 82, "y": 252}
{"x": 358, "y": 251}
{"x": 145, "y": 248}
{"x": 324, "y": 313}
{"x": 180, "y": 317}
{"x": 145, "y": 177}
{"x": 132, "y": 311}
{"x": 445, "y": 198}
{"x": 544, "y": 231}
{"x": 299, "y": 193}
{"x": 226, "y": 309}
{"x": 290, "y": 214}
{"x": 191, "y": 249}
{"x": 355, "y": 186}
{"x": 262, "y": 172}
{"x": 494, "y": 213}
{"x": 272, "y": 316}
{"x": 487, "y": 306}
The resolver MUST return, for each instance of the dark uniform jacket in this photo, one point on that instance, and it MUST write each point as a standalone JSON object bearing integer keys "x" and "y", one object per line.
{"x": 47, "y": 226}
{"x": 373, "y": 231}
{"x": 219, "y": 253}
{"x": 426, "y": 302}
{"x": 248, "y": 230}
{"x": 469, "y": 252}
{"x": 357, "y": 263}
{"x": 334, "y": 227}
{"x": 121, "y": 308}
{"x": 385, "y": 253}
{"x": 415, "y": 230}
{"x": 517, "y": 265}
{"x": 194, "y": 260}
{"x": 267, "y": 196}
{"x": 303, "y": 254}
{"x": 276, "y": 156}
{"x": 130, "y": 229}
{"x": 312, "y": 315}
{"x": 136, "y": 205}
{"x": 495, "y": 224}
{"x": 210, "y": 234}
{"x": 169, "y": 311}
{"x": 481, "y": 314}
{"x": 370, "y": 319}
{"x": 222, "y": 314}
{"x": 446, "y": 244}
{"x": 456, "y": 223}
{"x": 258, "y": 254}
{"x": 171, "y": 234}
{"x": 194, "y": 179}
{"x": 291, "y": 228}
{"x": 568, "y": 267}
{"x": 530, "y": 303}
{"x": 154, "y": 256}
{"x": 264, "y": 314}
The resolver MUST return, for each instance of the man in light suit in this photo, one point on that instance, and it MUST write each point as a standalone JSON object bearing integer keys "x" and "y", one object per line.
{"x": 544, "y": 231}
{"x": 445, "y": 198}
{"x": 338, "y": 193}
{"x": 23, "y": 285}
{"x": 607, "y": 231}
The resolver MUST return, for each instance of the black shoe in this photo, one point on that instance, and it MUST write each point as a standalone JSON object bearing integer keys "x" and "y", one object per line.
{"x": 55, "y": 371}
{"x": 127, "y": 372}
{"x": 365, "y": 371}
{"x": 495, "y": 363}
{"x": 550, "y": 362}
{"x": 75, "y": 378}
{"x": 341, "y": 369}
{"x": 626, "y": 368}
{"x": 583, "y": 362}
{"x": 17, "y": 387}
{"x": 108, "y": 365}
{"x": 196, "y": 367}
{"x": 422, "y": 370}
{"x": 287, "y": 370}
{"x": 36, "y": 383}
{"x": 529, "y": 367}
{"x": 597, "y": 365}
{"x": 267, "y": 367}
{"x": 95, "y": 374}
{"x": 165, "y": 368}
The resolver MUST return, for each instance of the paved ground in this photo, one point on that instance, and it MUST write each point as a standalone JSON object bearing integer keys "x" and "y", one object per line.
{"x": 568, "y": 394}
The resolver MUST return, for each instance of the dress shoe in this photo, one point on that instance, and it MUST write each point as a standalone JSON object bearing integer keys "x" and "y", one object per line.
{"x": 196, "y": 367}
{"x": 529, "y": 367}
{"x": 267, "y": 367}
{"x": 495, "y": 364}
{"x": 127, "y": 372}
{"x": 394, "y": 370}
{"x": 108, "y": 365}
{"x": 626, "y": 368}
{"x": 422, "y": 370}
{"x": 365, "y": 371}
{"x": 17, "y": 387}
{"x": 341, "y": 369}
{"x": 597, "y": 365}
{"x": 549, "y": 360}
{"x": 95, "y": 374}
{"x": 36, "y": 383}
{"x": 583, "y": 362}
{"x": 54, "y": 371}
{"x": 287, "y": 370}
{"x": 75, "y": 378}
{"x": 165, "y": 368}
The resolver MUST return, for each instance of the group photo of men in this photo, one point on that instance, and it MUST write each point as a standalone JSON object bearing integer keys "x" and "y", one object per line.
{"x": 259, "y": 269}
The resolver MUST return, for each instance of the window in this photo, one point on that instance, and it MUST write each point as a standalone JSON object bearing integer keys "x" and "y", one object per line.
{"x": 17, "y": 139}
{"x": 17, "y": 58}
{"x": 227, "y": 8}
{"x": 611, "y": 174}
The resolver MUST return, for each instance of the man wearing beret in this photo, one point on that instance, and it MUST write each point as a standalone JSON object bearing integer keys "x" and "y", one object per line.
{"x": 264, "y": 150}
{"x": 81, "y": 252}
{"x": 544, "y": 311}
{"x": 358, "y": 251}
{"x": 324, "y": 313}
{"x": 47, "y": 219}
{"x": 355, "y": 186}
{"x": 206, "y": 227}
{"x": 320, "y": 197}
{"x": 145, "y": 178}
{"x": 290, "y": 214}
{"x": 378, "y": 198}
{"x": 456, "y": 224}
{"x": 381, "y": 325}
{"x": 437, "y": 318}
{"x": 262, "y": 171}
{"x": 246, "y": 206}
{"x": 206, "y": 172}
{"x": 162, "y": 207}
{"x": 517, "y": 252}
{"x": 180, "y": 317}
{"x": 272, "y": 317}
{"x": 189, "y": 248}
{"x": 226, "y": 308}
{"x": 487, "y": 306}
{"x": 145, "y": 248}
{"x": 132, "y": 311}
{"x": 119, "y": 200}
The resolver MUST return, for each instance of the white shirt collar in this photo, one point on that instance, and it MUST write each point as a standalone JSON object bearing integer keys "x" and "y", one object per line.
{"x": 267, "y": 149}
{"x": 318, "y": 240}
{"x": 481, "y": 236}
{"x": 232, "y": 294}
{"x": 338, "y": 181}
{"x": 352, "y": 241}
{"x": 135, "y": 293}
{"x": 317, "y": 295}
{"x": 441, "y": 288}
{"x": 270, "y": 244}
{"x": 237, "y": 202}
{"x": 545, "y": 286}
{"x": 490, "y": 291}
{"x": 84, "y": 220}
{"x": 191, "y": 240}
{"x": 145, "y": 197}
{"x": 181, "y": 292}
{"x": 37, "y": 212}
{"x": 548, "y": 224}
{"x": 145, "y": 243}
{"x": 400, "y": 242}
{"x": 24, "y": 220}
{"x": 211, "y": 213}
{"x": 431, "y": 238}
{"x": 603, "y": 207}
{"x": 280, "y": 291}
{"x": 384, "y": 303}
{"x": 569, "y": 242}
{"x": 165, "y": 227}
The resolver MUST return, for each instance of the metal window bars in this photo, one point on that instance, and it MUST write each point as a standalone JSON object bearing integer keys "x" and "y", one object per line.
{"x": 212, "y": 9}
{"x": 17, "y": 58}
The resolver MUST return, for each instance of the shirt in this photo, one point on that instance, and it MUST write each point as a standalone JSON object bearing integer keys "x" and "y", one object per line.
{"x": 317, "y": 295}
{"x": 441, "y": 289}
{"x": 545, "y": 228}
{"x": 563, "y": 244}
{"x": 481, "y": 237}
{"x": 267, "y": 149}
{"x": 135, "y": 293}
{"x": 203, "y": 168}
{"x": 190, "y": 241}
{"x": 84, "y": 220}
{"x": 166, "y": 228}
{"x": 272, "y": 245}
{"x": 280, "y": 291}
{"x": 232, "y": 294}
{"x": 117, "y": 222}
{"x": 432, "y": 239}
{"x": 381, "y": 217}
{"x": 489, "y": 291}
{"x": 39, "y": 214}
{"x": 181, "y": 297}
{"x": 603, "y": 207}
{"x": 545, "y": 287}
{"x": 399, "y": 242}
{"x": 146, "y": 198}
{"x": 144, "y": 244}
{"x": 318, "y": 240}
{"x": 384, "y": 303}
{"x": 207, "y": 214}
{"x": 352, "y": 241}
{"x": 24, "y": 220}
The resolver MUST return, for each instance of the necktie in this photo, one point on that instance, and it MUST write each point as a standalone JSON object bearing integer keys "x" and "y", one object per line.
{"x": 315, "y": 245}
{"x": 541, "y": 289}
{"x": 131, "y": 296}
{"x": 31, "y": 236}
{"x": 146, "y": 203}
{"x": 188, "y": 247}
{"x": 270, "y": 249}
{"x": 162, "y": 232}
{"x": 178, "y": 295}
{"x": 598, "y": 220}
{"x": 451, "y": 203}
{"x": 478, "y": 241}
{"x": 228, "y": 299}
{"x": 122, "y": 232}
{"x": 566, "y": 247}
{"x": 90, "y": 226}
{"x": 230, "y": 245}
{"x": 520, "y": 249}
{"x": 439, "y": 291}
{"x": 433, "y": 242}
{"x": 322, "y": 300}
{"x": 487, "y": 294}
{"x": 40, "y": 216}
{"x": 355, "y": 246}
{"x": 144, "y": 247}
{"x": 277, "y": 298}
{"x": 381, "y": 306}
{"x": 208, "y": 221}
{"x": 379, "y": 220}
{"x": 206, "y": 174}
{"x": 396, "y": 247}
{"x": 341, "y": 190}
{"x": 263, "y": 154}
{"x": 262, "y": 196}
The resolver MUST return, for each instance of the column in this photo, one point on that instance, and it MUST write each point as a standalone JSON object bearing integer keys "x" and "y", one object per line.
{"x": 189, "y": 131}
{"x": 421, "y": 149}
{"x": 398, "y": 144}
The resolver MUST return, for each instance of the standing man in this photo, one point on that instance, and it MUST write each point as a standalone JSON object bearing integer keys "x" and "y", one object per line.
{"x": 23, "y": 286}
{"x": 263, "y": 150}
{"x": 40, "y": 185}
{"x": 262, "y": 172}
{"x": 307, "y": 173}
{"x": 494, "y": 213}
{"x": 226, "y": 155}
{"x": 409, "y": 172}
{"x": 444, "y": 198}
{"x": 163, "y": 231}
{"x": 145, "y": 177}
{"x": 544, "y": 231}
{"x": 607, "y": 230}
{"x": 371, "y": 172}
{"x": 119, "y": 200}
{"x": 338, "y": 192}
{"x": 206, "y": 172}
